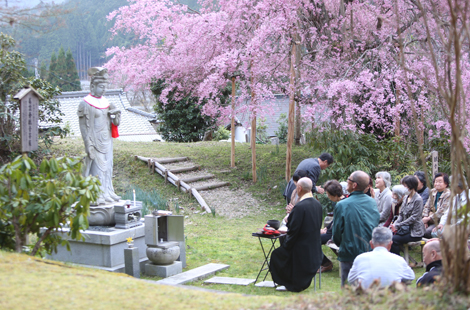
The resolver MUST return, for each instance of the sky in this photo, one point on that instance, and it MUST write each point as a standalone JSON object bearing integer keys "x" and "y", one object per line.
{"x": 27, "y": 3}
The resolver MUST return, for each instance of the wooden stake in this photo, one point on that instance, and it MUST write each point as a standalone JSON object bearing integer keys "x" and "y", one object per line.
{"x": 290, "y": 122}
{"x": 253, "y": 136}
{"x": 232, "y": 152}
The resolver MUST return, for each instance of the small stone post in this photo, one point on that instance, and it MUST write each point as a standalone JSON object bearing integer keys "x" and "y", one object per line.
{"x": 131, "y": 262}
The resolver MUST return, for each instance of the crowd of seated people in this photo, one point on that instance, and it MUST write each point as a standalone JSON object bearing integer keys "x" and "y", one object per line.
{"x": 408, "y": 211}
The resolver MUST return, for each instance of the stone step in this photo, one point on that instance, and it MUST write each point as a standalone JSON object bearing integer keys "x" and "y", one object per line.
{"x": 194, "y": 274}
{"x": 227, "y": 280}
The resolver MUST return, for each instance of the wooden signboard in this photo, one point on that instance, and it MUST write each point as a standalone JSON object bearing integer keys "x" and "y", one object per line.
{"x": 29, "y": 105}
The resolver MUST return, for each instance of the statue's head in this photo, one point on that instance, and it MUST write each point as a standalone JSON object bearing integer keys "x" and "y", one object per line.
{"x": 99, "y": 81}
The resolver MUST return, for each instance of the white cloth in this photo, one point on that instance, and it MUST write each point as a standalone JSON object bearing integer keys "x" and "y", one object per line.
{"x": 379, "y": 264}
{"x": 99, "y": 103}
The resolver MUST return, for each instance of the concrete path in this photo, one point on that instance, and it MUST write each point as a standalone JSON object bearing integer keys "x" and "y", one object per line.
{"x": 194, "y": 274}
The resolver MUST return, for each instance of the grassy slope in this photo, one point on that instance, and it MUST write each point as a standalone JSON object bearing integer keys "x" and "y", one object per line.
{"x": 216, "y": 239}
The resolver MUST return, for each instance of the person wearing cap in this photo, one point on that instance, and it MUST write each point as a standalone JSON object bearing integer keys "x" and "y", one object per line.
{"x": 296, "y": 261}
{"x": 98, "y": 119}
{"x": 313, "y": 166}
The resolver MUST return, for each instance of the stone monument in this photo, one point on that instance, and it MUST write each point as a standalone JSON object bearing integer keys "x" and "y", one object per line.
{"x": 99, "y": 120}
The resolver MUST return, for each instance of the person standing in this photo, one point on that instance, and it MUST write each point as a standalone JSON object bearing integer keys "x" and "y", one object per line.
{"x": 354, "y": 220}
{"x": 313, "y": 166}
{"x": 296, "y": 261}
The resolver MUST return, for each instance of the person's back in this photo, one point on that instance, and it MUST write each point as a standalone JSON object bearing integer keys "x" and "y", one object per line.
{"x": 382, "y": 265}
{"x": 359, "y": 216}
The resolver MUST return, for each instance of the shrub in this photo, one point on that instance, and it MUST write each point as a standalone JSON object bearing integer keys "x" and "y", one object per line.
{"x": 221, "y": 134}
{"x": 41, "y": 201}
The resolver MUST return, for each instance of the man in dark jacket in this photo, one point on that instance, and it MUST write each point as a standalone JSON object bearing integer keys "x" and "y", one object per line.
{"x": 313, "y": 166}
{"x": 354, "y": 220}
{"x": 296, "y": 262}
{"x": 433, "y": 260}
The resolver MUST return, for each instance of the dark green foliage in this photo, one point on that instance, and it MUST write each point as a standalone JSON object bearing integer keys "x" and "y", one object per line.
{"x": 182, "y": 117}
{"x": 63, "y": 72}
{"x": 71, "y": 74}
{"x": 281, "y": 133}
{"x": 11, "y": 68}
{"x": 351, "y": 152}
{"x": 33, "y": 199}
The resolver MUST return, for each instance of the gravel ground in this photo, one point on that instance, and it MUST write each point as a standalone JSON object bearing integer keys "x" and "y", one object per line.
{"x": 229, "y": 203}
{"x": 232, "y": 204}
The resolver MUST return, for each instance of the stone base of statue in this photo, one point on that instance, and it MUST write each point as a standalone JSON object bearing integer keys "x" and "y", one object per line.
{"x": 105, "y": 215}
{"x": 102, "y": 248}
{"x": 102, "y": 215}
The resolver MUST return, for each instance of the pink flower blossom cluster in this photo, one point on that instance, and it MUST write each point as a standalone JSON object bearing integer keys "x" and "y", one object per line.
{"x": 362, "y": 65}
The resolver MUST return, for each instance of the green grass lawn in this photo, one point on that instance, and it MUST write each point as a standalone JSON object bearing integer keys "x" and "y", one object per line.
{"x": 217, "y": 239}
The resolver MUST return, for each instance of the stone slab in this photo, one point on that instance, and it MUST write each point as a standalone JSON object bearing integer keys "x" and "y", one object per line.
{"x": 227, "y": 280}
{"x": 163, "y": 271}
{"x": 194, "y": 274}
{"x": 265, "y": 284}
{"x": 101, "y": 249}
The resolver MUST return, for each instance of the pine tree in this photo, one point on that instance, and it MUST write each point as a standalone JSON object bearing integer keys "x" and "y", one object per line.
{"x": 61, "y": 71}
{"x": 51, "y": 77}
{"x": 43, "y": 71}
{"x": 72, "y": 73}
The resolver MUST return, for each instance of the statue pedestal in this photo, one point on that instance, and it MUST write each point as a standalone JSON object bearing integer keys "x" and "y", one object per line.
{"x": 103, "y": 248}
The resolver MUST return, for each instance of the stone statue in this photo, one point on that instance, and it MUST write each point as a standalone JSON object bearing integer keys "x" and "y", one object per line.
{"x": 98, "y": 120}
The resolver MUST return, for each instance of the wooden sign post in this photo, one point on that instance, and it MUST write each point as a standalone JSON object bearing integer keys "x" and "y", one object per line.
{"x": 435, "y": 163}
{"x": 29, "y": 115}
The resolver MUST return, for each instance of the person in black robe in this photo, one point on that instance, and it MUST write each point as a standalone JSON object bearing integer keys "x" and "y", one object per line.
{"x": 295, "y": 263}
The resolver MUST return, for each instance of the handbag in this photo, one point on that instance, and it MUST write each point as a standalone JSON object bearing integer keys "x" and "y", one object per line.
{"x": 403, "y": 230}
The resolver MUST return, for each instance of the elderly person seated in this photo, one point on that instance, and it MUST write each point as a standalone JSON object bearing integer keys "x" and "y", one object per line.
{"x": 433, "y": 260}
{"x": 383, "y": 180}
{"x": 460, "y": 200}
{"x": 423, "y": 190}
{"x": 398, "y": 192}
{"x": 438, "y": 203}
{"x": 335, "y": 193}
{"x": 380, "y": 264}
{"x": 408, "y": 227}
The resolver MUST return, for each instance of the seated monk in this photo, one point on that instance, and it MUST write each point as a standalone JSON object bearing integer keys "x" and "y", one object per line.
{"x": 296, "y": 261}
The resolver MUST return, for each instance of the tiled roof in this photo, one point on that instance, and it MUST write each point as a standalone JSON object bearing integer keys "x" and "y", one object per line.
{"x": 133, "y": 127}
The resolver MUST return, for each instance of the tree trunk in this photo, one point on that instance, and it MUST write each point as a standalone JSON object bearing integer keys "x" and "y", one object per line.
{"x": 232, "y": 150}
{"x": 290, "y": 122}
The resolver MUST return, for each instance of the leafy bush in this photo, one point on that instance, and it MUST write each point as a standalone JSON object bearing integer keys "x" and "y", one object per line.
{"x": 40, "y": 202}
{"x": 11, "y": 75}
{"x": 281, "y": 133}
{"x": 221, "y": 134}
{"x": 182, "y": 116}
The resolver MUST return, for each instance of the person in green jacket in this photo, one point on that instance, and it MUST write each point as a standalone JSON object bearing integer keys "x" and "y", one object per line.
{"x": 355, "y": 218}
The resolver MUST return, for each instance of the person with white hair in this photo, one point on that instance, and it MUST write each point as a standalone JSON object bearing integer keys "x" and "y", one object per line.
{"x": 383, "y": 180}
{"x": 380, "y": 264}
{"x": 398, "y": 193}
{"x": 344, "y": 185}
